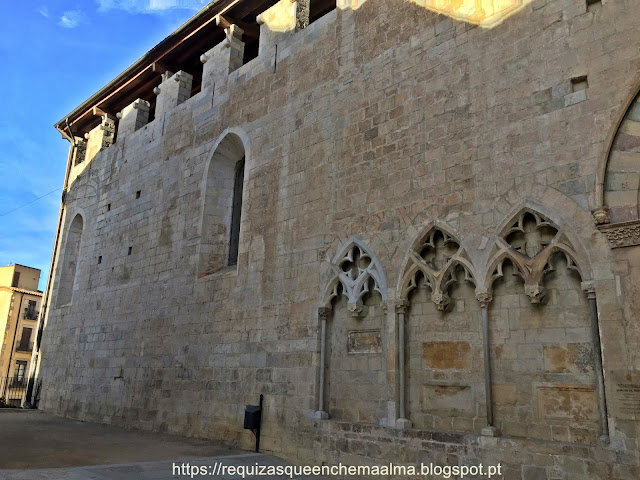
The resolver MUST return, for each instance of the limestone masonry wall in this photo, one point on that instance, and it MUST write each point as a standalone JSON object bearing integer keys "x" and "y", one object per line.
{"x": 406, "y": 178}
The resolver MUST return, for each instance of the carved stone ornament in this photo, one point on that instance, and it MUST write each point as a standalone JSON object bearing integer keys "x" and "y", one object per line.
{"x": 600, "y": 215}
{"x": 357, "y": 274}
{"x": 625, "y": 234}
{"x": 484, "y": 298}
{"x": 437, "y": 260}
{"x": 531, "y": 243}
{"x": 108, "y": 125}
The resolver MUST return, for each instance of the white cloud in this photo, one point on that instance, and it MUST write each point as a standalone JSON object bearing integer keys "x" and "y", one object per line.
{"x": 44, "y": 11}
{"x": 71, "y": 19}
{"x": 149, "y": 6}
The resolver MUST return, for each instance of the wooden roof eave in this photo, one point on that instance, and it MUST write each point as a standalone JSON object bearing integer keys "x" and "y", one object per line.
{"x": 152, "y": 60}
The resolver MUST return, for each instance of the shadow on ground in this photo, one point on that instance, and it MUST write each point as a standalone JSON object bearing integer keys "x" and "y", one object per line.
{"x": 40, "y": 446}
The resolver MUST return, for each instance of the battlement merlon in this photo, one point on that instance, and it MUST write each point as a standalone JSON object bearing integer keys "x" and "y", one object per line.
{"x": 232, "y": 25}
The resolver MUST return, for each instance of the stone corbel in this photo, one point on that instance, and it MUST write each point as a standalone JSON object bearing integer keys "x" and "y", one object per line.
{"x": 601, "y": 215}
{"x": 440, "y": 298}
{"x": 357, "y": 310}
{"x": 536, "y": 292}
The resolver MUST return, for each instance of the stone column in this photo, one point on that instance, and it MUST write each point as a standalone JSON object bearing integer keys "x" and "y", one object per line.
{"x": 590, "y": 290}
{"x": 323, "y": 315}
{"x": 401, "y": 311}
{"x": 485, "y": 299}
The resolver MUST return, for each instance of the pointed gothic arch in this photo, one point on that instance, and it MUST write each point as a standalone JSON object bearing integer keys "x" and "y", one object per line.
{"x": 530, "y": 241}
{"x": 618, "y": 175}
{"x": 352, "y": 267}
{"x": 437, "y": 256}
{"x": 70, "y": 259}
{"x": 222, "y": 193}
{"x": 353, "y": 337}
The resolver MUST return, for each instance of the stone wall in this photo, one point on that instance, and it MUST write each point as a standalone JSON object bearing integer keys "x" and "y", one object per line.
{"x": 371, "y": 129}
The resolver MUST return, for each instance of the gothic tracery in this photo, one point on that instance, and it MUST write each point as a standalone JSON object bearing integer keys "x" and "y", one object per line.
{"x": 437, "y": 261}
{"x": 531, "y": 243}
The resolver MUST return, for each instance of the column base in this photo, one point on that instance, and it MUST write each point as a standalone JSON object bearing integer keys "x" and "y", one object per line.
{"x": 490, "y": 432}
{"x": 403, "y": 424}
{"x": 321, "y": 415}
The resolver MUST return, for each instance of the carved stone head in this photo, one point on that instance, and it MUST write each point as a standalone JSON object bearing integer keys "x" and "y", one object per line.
{"x": 441, "y": 299}
{"x": 535, "y": 292}
{"x": 601, "y": 215}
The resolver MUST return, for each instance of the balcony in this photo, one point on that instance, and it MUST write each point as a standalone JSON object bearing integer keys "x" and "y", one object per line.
{"x": 31, "y": 314}
{"x": 25, "y": 347}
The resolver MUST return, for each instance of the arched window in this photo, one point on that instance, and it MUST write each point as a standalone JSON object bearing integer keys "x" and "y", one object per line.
{"x": 236, "y": 211}
{"x": 220, "y": 233}
{"x": 70, "y": 261}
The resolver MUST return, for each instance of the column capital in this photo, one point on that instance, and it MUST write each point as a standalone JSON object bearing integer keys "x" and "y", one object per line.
{"x": 590, "y": 289}
{"x": 323, "y": 313}
{"x": 402, "y": 306}
{"x": 484, "y": 298}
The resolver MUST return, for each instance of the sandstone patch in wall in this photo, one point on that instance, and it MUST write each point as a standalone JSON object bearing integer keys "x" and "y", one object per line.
{"x": 567, "y": 402}
{"x": 450, "y": 398}
{"x": 447, "y": 355}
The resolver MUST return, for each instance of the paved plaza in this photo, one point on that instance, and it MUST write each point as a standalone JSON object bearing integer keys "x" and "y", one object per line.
{"x": 40, "y": 446}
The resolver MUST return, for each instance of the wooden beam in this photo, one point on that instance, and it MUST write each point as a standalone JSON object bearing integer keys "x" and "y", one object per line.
{"x": 250, "y": 30}
{"x": 180, "y": 46}
{"x": 207, "y": 22}
{"x": 159, "y": 68}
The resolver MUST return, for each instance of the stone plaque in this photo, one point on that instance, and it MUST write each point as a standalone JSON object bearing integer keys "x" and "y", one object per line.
{"x": 626, "y": 395}
{"x": 447, "y": 397}
{"x": 628, "y": 398}
{"x": 364, "y": 341}
{"x": 568, "y": 402}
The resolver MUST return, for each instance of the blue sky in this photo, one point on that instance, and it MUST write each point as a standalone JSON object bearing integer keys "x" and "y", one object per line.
{"x": 56, "y": 55}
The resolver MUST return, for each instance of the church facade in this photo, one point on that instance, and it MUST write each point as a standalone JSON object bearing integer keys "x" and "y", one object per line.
{"x": 418, "y": 238}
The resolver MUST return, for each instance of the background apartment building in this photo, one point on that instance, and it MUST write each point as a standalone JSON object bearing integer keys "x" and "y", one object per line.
{"x": 19, "y": 308}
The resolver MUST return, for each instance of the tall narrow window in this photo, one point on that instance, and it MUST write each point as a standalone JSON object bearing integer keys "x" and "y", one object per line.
{"x": 19, "y": 372}
{"x": 25, "y": 340}
{"x": 16, "y": 279}
{"x": 234, "y": 237}
{"x": 30, "y": 312}
{"x": 70, "y": 257}
{"x": 222, "y": 206}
